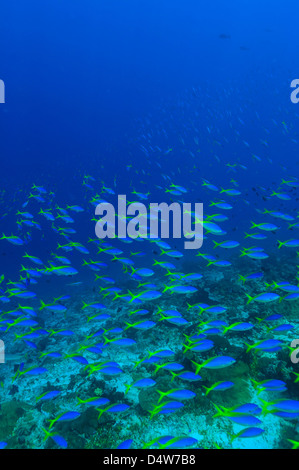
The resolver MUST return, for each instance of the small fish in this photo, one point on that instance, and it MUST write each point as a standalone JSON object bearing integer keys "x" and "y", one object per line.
{"x": 247, "y": 433}
{"x": 176, "y": 393}
{"x": 125, "y": 444}
{"x": 115, "y": 408}
{"x": 48, "y": 395}
{"x": 219, "y": 386}
{"x": 263, "y": 297}
{"x": 94, "y": 401}
{"x": 67, "y": 416}
{"x": 265, "y": 345}
{"x": 142, "y": 383}
{"x": 216, "y": 362}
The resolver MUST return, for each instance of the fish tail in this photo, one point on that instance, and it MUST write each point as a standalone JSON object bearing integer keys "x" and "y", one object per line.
{"x": 165, "y": 288}
{"x": 265, "y": 404}
{"x": 159, "y": 310}
{"x": 106, "y": 340}
{"x": 280, "y": 243}
{"x": 18, "y": 373}
{"x": 100, "y": 413}
{"x": 295, "y": 443}
{"x": 51, "y": 421}
{"x": 250, "y": 299}
{"x": 130, "y": 293}
{"x": 219, "y": 411}
{"x": 162, "y": 395}
{"x": 16, "y": 337}
{"x": 174, "y": 375}
{"x": 47, "y": 434}
{"x": 42, "y": 305}
{"x": 162, "y": 317}
{"x": 198, "y": 367}
{"x": 207, "y": 390}
{"x": 254, "y": 382}
{"x": 152, "y": 413}
{"x": 145, "y": 445}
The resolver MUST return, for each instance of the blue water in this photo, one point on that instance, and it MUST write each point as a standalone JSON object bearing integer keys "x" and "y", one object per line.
{"x": 110, "y": 98}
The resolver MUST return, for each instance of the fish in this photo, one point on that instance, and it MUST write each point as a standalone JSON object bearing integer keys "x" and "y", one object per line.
{"x": 216, "y": 362}
{"x": 248, "y": 433}
{"x": 219, "y": 386}
{"x": 67, "y": 416}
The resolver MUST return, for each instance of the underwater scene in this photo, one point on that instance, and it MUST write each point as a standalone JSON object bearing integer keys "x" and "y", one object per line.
{"x": 149, "y": 225}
